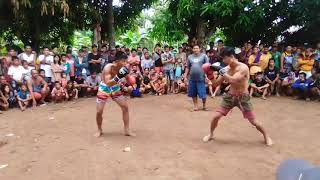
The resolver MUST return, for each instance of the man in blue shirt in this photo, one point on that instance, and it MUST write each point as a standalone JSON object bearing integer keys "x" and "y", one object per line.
{"x": 197, "y": 85}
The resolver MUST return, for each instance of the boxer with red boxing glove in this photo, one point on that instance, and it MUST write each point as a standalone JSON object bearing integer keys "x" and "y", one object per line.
{"x": 109, "y": 88}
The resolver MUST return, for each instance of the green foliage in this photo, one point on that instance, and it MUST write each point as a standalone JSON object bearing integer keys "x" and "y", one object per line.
{"x": 82, "y": 38}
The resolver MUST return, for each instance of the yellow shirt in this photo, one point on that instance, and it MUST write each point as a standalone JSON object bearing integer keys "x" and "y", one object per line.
{"x": 305, "y": 64}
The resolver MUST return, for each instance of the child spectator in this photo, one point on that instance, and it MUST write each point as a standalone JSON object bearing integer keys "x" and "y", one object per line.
{"x": 64, "y": 80}
{"x": 47, "y": 79}
{"x": 272, "y": 77}
{"x": 93, "y": 82}
{"x": 24, "y": 97}
{"x": 70, "y": 60}
{"x": 56, "y": 67}
{"x": 9, "y": 96}
{"x": 66, "y": 65}
{"x": 58, "y": 93}
{"x": 182, "y": 86}
{"x": 259, "y": 86}
{"x": 178, "y": 74}
{"x": 71, "y": 91}
{"x": 301, "y": 87}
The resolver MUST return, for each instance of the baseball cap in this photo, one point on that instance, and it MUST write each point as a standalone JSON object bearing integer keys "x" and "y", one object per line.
{"x": 297, "y": 169}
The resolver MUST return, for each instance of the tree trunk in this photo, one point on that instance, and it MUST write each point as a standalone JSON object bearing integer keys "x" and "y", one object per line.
{"x": 110, "y": 24}
{"x": 200, "y": 33}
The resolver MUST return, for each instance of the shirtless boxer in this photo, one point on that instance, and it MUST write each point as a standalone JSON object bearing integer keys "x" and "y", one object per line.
{"x": 109, "y": 89}
{"x": 237, "y": 74}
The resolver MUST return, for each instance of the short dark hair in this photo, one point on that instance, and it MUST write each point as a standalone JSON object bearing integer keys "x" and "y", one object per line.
{"x": 133, "y": 50}
{"x": 94, "y": 46}
{"x": 228, "y": 51}
{"x": 120, "y": 56}
{"x": 259, "y": 73}
{"x": 104, "y": 46}
{"x": 304, "y": 74}
{"x": 69, "y": 51}
{"x": 81, "y": 51}
{"x": 138, "y": 47}
{"x": 158, "y": 45}
{"x": 171, "y": 47}
{"x": 196, "y": 45}
{"x": 220, "y": 41}
{"x": 56, "y": 82}
{"x": 117, "y": 46}
{"x": 41, "y": 70}
{"x": 14, "y": 58}
{"x": 27, "y": 46}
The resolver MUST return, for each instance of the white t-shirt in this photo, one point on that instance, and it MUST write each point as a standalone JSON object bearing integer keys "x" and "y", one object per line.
{"x": 27, "y": 73}
{"x": 46, "y": 67}
{"x": 26, "y": 57}
{"x": 16, "y": 72}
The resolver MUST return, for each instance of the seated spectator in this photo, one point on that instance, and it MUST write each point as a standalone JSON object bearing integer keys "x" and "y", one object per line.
{"x": 93, "y": 82}
{"x": 81, "y": 85}
{"x": 159, "y": 86}
{"x": 57, "y": 68}
{"x": 24, "y": 97}
{"x": 38, "y": 88}
{"x": 306, "y": 62}
{"x": 272, "y": 77}
{"x": 16, "y": 72}
{"x": 164, "y": 81}
{"x": 259, "y": 86}
{"x": 147, "y": 62}
{"x": 182, "y": 85}
{"x": 315, "y": 84}
{"x": 58, "y": 94}
{"x": 9, "y": 96}
{"x": 301, "y": 87}
{"x": 4, "y": 104}
{"x": 287, "y": 83}
{"x": 145, "y": 83}
{"x": 71, "y": 91}
{"x": 47, "y": 79}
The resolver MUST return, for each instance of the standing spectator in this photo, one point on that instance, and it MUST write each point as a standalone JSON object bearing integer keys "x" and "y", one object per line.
{"x": 286, "y": 61}
{"x": 265, "y": 57}
{"x": 134, "y": 60}
{"x": 197, "y": 85}
{"x": 276, "y": 55}
{"x": 104, "y": 56}
{"x": 272, "y": 77}
{"x": 81, "y": 65}
{"x": 147, "y": 62}
{"x": 157, "y": 59}
{"x": 70, "y": 60}
{"x": 246, "y": 53}
{"x": 94, "y": 59}
{"x": 183, "y": 56}
{"x": 66, "y": 65}
{"x": 24, "y": 97}
{"x": 55, "y": 50}
{"x": 139, "y": 52}
{"x": 301, "y": 87}
{"x": 16, "y": 72}
{"x": 254, "y": 62}
{"x": 45, "y": 63}
{"x": 168, "y": 65}
{"x": 177, "y": 75}
{"x": 29, "y": 56}
{"x": 3, "y": 66}
{"x": 220, "y": 47}
{"x": 112, "y": 55}
{"x": 144, "y": 50}
{"x": 306, "y": 62}
{"x": 57, "y": 68}
{"x": 93, "y": 82}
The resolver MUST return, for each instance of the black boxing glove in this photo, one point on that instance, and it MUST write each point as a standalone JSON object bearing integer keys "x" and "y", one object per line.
{"x": 123, "y": 72}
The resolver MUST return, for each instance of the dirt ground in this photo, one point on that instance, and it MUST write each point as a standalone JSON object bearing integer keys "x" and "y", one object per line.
{"x": 168, "y": 143}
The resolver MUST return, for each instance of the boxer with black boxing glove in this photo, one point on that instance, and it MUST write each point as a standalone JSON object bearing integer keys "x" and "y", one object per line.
{"x": 109, "y": 88}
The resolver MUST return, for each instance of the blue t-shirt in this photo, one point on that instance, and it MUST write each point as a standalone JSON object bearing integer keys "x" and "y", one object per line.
{"x": 66, "y": 68}
{"x": 23, "y": 95}
{"x": 195, "y": 66}
{"x": 178, "y": 71}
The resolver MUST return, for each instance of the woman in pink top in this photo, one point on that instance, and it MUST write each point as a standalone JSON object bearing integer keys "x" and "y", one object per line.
{"x": 133, "y": 59}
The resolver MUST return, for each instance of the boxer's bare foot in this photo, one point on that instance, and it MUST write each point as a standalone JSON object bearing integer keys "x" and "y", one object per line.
{"x": 128, "y": 133}
{"x": 207, "y": 138}
{"x": 268, "y": 141}
{"x": 98, "y": 134}
{"x": 194, "y": 109}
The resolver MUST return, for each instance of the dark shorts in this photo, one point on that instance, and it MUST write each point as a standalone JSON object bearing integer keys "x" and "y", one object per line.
{"x": 197, "y": 88}
{"x": 242, "y": 101}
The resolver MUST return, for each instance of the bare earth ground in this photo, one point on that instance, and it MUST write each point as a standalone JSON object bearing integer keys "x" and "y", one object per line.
{"x": 168, "y": 143}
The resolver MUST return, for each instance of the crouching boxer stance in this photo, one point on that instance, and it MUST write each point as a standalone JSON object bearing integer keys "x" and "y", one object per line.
{"x": 237, "y": 74}
{"x": 109, "y": 89}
